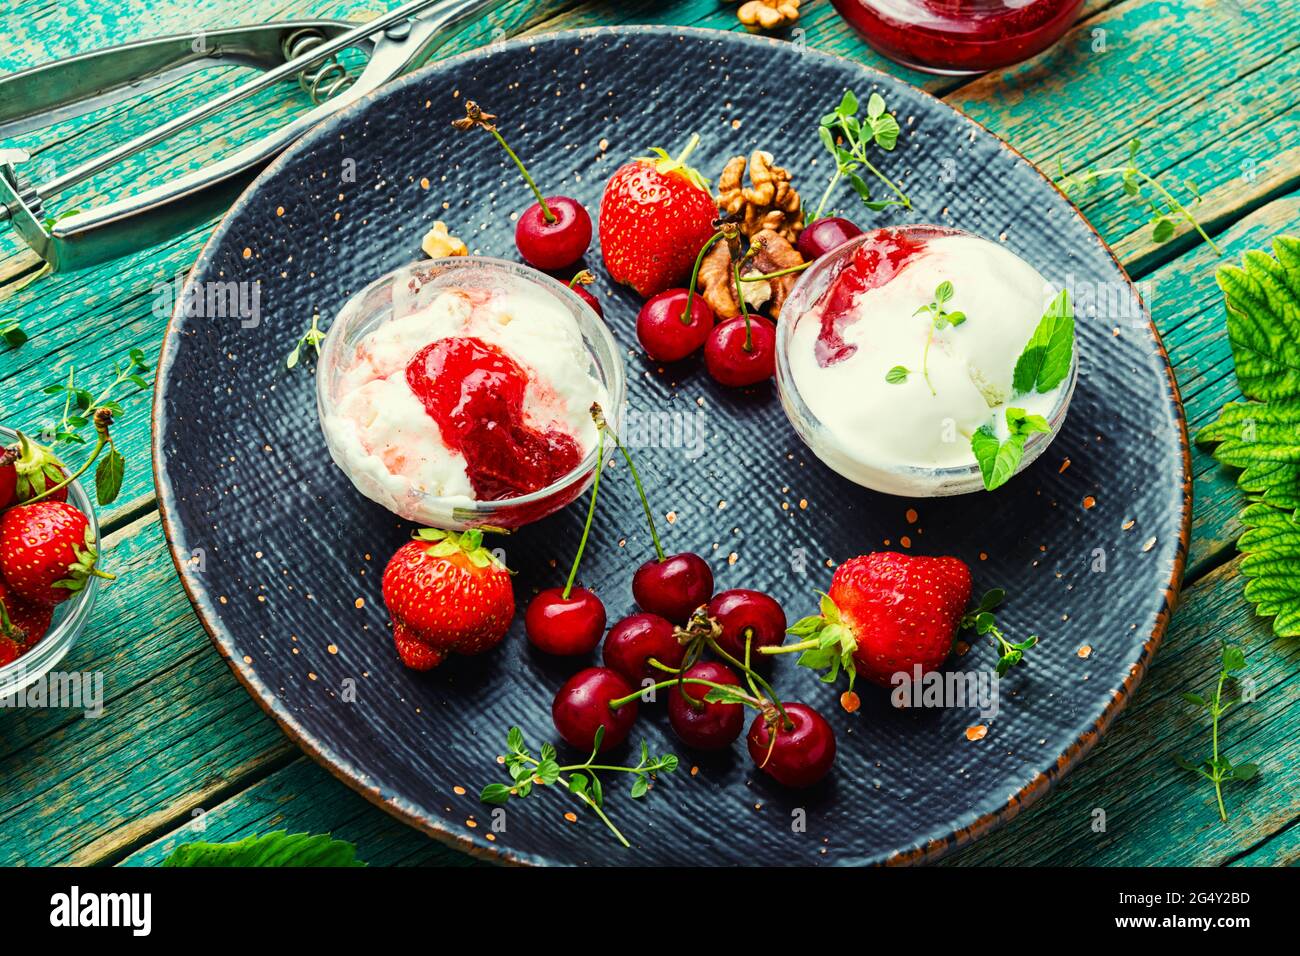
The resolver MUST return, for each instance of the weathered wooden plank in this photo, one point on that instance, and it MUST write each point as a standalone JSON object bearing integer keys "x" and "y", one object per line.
{"x": 177, "y": 729}
{"x": 303, "y": 797}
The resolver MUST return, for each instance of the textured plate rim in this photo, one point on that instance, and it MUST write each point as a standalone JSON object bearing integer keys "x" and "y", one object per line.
{"x": 964, "y": 831}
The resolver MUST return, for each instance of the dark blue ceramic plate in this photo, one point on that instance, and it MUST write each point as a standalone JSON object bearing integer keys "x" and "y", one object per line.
{"x": 289, "y": 587}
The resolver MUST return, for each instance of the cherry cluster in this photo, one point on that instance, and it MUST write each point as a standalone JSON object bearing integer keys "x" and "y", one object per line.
{"x": 663, "y": 647}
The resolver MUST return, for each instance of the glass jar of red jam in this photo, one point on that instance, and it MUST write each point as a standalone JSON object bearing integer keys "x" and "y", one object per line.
{"x": 959, "y": 37}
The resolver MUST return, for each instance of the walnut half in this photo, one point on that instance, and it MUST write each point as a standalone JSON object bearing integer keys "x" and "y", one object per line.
{"x": 439, "y": 243}
{"x": 770, "y": 252}
{"x": 769, "y": 202}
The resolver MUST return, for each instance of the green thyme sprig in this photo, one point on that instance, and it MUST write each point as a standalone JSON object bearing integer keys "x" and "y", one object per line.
{"x": 1165, "y": 208}
{"x": 1217, "y": 767}
{"x": 980, "y": 619}
{"x": 940, "y": 319}
{"x": 847, "y": 137}
{"x": 311, "y": 338}
{"x": 40, "y": 471}
{"x": 580, "y": 779}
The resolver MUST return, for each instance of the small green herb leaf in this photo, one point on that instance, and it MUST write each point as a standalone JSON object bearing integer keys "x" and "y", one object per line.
{"x": 897, "y": 375}
{"x": 1046, "y": 359}
{"x": 108, "y": 476}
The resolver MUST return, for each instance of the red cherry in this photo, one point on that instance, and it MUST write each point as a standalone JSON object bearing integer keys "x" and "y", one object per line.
{"x": 801, "y": 755}
{"x": 736, "y": 355}
{"x": 565, "y": 625}
{"x": 582, "y": 706}
{"x": 743, "y": 613}
{"x": 637, "y": 638}
{"x": 822, "y": 235}
{"x": 552, "y": 246}
{"x": 673, "y": 587}
{"x": 661, "y": 331}
{"x": 705, "y": 726}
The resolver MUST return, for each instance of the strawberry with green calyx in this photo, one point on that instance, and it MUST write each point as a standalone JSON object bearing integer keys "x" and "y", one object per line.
{"x": 38, "y": 472}
{"x": 885, "y": 613}
{"x": 655, "y": 215}
{"x": 47, "y": 551}
{"x": 446, "y": 594}
{"x": 108, "y": 476}
{"x": 979, "y": 618}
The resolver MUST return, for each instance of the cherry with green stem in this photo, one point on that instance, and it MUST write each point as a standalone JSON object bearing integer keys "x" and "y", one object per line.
{"x": 554, "y": 232}
{"x": 580, "y": 779}
{"x": 570, "y": 621}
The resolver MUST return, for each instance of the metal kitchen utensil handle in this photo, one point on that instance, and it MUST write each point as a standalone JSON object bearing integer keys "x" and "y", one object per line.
{"x": 411, "y": 33}
{"x": 64, "y": 89}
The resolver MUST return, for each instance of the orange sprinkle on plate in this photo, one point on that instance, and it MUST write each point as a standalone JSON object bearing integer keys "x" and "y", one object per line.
{"x": 977, "y": 732}
{"x": 1085, "y": 652}
{"x": 850, "y": 701}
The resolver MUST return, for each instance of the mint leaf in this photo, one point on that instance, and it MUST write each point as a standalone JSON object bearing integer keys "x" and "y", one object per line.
{"x": 998, "y": 461}
{"x": 1045, "y": 361}
{"x": 13, "y": 336}
{"x": 272, "y": 849}
{"x": 897, "y": 375}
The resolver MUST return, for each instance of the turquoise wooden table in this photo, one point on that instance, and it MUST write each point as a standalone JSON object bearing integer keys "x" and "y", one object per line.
{"x": 182, "y": 753}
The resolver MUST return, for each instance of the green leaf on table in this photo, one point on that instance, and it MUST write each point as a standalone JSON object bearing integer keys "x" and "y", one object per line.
{"x": 1261, "y": 436}
{"x": 108, "y": 476}
{"x": 13, "y": 336}
{"x": 272, "y": 849}
{"x": 1045, "y": 361}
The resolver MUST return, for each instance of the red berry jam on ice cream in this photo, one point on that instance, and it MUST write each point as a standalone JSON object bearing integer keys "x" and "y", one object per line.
{"x": 471, "y": 391}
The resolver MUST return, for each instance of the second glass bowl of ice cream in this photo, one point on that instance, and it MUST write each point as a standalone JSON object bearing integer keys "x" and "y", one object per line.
{"x": 868, "y": 396}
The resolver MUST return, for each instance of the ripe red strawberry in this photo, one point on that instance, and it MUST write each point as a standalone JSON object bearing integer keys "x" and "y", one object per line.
{"x": 887, "y": 613}
{"x": 655, "y": 216}
{"x": 47, "y": 551}
{"x": 22, "y": 622}
{"x": 446, "y": 594}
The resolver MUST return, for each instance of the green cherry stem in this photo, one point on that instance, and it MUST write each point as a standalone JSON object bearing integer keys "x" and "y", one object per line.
{"x": 523, "y": 171}
{"x": 695, "y": 276}
{"x": 599, "y": 417}
{"x": 591, "y": 512}
{"x": 673, "y": 682}
{"x": 751, "y": 675}
{"x": 744, "y": 308}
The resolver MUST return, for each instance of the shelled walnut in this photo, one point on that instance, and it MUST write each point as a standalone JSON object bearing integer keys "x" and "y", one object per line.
{"x": 769, "y": 252}
{"x": 769, "y": 202}
{"x": 768, "y": 14}
{"x": 438, "y": 242}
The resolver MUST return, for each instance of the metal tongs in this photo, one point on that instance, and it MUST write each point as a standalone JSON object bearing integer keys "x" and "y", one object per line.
{"x": 302, "y": 50}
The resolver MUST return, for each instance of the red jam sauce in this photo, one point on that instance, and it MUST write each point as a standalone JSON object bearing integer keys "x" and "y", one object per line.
{"x": 873, "y": 264}
{"x": 960, "y": 36}
{"x": 475, "y": 393}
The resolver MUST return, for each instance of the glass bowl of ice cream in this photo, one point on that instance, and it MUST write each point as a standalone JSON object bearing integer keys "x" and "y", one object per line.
{"x": 925, "y": 361}
{"x": 457, "y": 392}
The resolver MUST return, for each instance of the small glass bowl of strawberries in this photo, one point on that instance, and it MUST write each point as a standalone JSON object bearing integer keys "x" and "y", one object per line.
{"x": 40, "y": 620}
